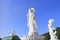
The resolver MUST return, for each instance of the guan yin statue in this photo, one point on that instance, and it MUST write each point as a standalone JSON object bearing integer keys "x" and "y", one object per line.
{"x": 31, "y": 21}
{"x": 51, "y": 30}
{"x": 32, "y": 34}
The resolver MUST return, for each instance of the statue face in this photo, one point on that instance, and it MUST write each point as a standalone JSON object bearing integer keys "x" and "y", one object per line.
{"x": 51, "y": 20}
{"x": 31, "y": 10}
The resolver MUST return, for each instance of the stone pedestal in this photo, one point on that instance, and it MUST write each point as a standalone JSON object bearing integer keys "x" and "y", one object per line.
{"x": 34, "y": 36}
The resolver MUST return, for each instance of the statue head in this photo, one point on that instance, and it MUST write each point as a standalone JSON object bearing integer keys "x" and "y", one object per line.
{"x": 31, "y": 10}
{"x": 51, "y": 20}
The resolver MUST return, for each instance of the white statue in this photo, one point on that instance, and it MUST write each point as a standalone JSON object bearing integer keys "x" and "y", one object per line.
{"x": 32, "y": 34}
{"x": 12, "y": 33}
{"x": 51, "y": 30}
{"x": 31, "y": 21}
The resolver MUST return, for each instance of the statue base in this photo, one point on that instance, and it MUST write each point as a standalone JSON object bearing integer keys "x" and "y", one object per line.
{"x": 33, "y": 36}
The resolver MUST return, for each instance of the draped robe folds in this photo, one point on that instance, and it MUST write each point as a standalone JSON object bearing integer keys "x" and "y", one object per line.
{"x": 31, "y": 22}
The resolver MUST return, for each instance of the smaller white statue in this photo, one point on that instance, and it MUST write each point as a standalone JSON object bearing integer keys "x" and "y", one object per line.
{"x": 12, "y": 33}
{"x": 51, "y": 30}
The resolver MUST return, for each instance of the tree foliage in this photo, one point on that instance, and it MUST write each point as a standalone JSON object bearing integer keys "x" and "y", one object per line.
{"x": 0, "y": 38}
{"x": 15, "y": 38}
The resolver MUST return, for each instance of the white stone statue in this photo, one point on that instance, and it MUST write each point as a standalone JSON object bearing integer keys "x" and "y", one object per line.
{"x": 32, "y": 34}
{"x": 51, "y": 30}
{"x": 12, "y": 32}
{"x": 31, "y": 21}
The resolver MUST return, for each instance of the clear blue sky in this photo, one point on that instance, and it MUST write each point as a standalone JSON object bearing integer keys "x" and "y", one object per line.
{"x": 13, "y": 15}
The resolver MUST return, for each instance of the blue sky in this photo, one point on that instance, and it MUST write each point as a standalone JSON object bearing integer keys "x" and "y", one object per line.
{"x": 13, "y": 15}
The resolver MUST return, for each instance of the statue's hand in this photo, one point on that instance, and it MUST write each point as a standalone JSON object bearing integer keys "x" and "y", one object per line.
{"x": 55, "y": 32}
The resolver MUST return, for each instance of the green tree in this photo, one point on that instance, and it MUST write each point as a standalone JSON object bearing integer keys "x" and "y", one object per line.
{"x": 0, "y": 38}
{"x": 47, "y": 36}
{"x": 58, "y": 32}
{"x": 15, "y": 38}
